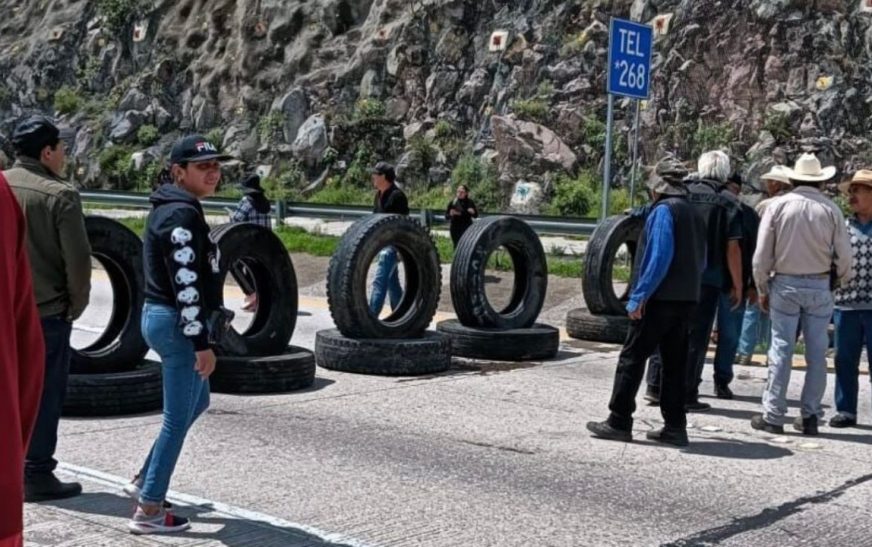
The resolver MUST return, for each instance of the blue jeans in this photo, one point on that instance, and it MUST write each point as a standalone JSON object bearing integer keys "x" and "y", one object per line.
{"x": 56, "y": 332}
{"x": 186, "y": 397}
{"x": 755, "y": 330}
{"x": 853, "y": 331}
{"x": 729, "y": 330}
{"x": 791, "y": 299}
{"x": 387, "y": 281}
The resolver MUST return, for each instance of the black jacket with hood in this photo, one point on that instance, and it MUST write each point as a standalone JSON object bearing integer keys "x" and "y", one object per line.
{"x": 181, "y": 261}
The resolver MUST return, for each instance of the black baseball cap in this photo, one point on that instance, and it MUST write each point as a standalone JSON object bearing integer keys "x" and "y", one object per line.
{"x": 196, "y": 148}
{"x": 35, "y": 132}
{"x": 386, "y": 169}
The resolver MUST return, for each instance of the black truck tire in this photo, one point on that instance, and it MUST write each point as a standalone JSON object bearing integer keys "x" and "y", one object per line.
{"x": 426, "y": 355}
{"x": 596, "y": 281}
{"x": 115, "y": 394}
{"x": 610, "y": 329}
{"x": 347, "y": 278}
{"x": 530, "y": 344}
{"x": 290, "y": 371}
{"x": 468, "y": 274}
{"x": 265, "y": 257}
{"x": 121, "y": 346}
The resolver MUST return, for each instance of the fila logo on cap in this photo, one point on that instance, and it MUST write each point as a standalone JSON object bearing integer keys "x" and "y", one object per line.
{"x": 206, "y": 147}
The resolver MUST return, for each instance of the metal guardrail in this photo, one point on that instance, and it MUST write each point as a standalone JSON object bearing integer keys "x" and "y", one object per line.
{"x": 576, "y": 226}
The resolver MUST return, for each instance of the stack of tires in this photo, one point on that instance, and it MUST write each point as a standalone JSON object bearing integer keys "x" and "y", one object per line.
{"x": 605, "y": 319}
{"x": 398, "y": 344}
{"x": 509, "y": 334}
{"x": 263, "y": 362}
{"x": 110, "y": 377}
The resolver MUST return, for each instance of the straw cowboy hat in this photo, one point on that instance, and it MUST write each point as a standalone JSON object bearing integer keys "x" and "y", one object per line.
{"x": 778, "y": 173}
{"x": 862, "y": 177}
{"x": 808, "y": 169}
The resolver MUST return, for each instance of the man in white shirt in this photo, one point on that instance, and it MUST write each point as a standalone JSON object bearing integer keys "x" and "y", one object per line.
{"x": 802, "y": 242}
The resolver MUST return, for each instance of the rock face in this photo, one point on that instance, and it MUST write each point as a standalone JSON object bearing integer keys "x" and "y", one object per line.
{"x": 337, "y": 83}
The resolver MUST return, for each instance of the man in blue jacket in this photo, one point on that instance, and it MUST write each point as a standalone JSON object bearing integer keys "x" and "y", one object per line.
{"x": 665, "y": 293}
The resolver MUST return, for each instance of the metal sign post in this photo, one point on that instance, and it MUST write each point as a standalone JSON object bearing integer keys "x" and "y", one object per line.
{"x": 629, "y": 75}
{"x": 636, "y": 125}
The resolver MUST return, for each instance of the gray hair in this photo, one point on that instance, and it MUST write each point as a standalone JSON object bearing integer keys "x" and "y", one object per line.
{"x": 714, "y": 165}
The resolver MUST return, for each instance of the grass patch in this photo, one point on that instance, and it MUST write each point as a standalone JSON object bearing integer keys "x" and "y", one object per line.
{"x": 298, "y": 240}
{"x": 135, "y": 224}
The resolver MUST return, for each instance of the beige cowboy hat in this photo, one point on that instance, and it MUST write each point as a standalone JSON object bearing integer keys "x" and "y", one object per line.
{"x": 808, "y": 168}
{"x": 778, "y": 173}
{"x": 862, "y": 177}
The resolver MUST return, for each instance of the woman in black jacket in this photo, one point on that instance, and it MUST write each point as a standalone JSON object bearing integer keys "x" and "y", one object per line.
{"x": 460, "y": 213}
{"x": 182, "y": 296}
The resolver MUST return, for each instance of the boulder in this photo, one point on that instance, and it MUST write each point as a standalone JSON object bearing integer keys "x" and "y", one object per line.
{"x": 294, "y": 108}
{"x": 527, "y": 198}
{"x": 134, "y": 99}
{"x": 311, "y": 141}
{"x": 531, "y": 147}
{"x": 124, "y": 126}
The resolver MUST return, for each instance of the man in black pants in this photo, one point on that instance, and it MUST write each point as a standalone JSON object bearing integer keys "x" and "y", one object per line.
{"x": 669, "y": 265}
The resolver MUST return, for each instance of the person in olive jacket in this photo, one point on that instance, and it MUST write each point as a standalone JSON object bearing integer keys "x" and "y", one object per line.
{"x": 60, "y": 259}
{"x": 460, "y": 213}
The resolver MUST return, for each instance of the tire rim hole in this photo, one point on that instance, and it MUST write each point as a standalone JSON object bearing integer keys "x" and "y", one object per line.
{"x": 622, "y": 268}
{"x": 406, "y": 275}
{"x": 246, "y": 294}
{"x": 102, "y": 322}
{"x": 505, "y": 284}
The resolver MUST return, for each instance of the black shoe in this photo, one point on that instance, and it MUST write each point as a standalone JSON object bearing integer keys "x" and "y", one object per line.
{"x": 806, "y": 426}
{"x": 652, "y": 395}
{"x": 603, "y": 430}
{"x": 675, "y": 437}
{"x": 841, "y": 421}
{"x": 743, "y": 360}
{"x": 46, "y": 487}
{"x": 723, "y": 391}
{"x": 696, "y": 406}
{"x": 758, "y": 423}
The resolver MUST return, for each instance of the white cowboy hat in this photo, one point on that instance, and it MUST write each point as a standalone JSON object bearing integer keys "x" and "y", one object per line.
{"x": 778, "y": 173}
{"x": 808, "y": 168}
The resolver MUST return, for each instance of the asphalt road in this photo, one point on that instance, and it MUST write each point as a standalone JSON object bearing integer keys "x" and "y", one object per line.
{"x": 485, "y": 454}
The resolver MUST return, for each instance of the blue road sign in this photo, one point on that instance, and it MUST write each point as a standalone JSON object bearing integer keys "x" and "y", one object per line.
{"x": 630, "y": 46}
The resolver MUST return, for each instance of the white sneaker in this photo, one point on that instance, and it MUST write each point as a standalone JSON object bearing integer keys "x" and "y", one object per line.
{"x": 133, "y": 490}
{"x": 163, "y": 522}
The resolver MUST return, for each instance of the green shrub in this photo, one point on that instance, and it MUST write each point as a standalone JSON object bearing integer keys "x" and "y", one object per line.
{"x": 215, "y": 136}
{"x": 576, "y": 197}
{"x": 715, "y": 136}
{"x": 268, "y": 126}
{"x": 337, "y": 193}
{"x": 531, "y": 109}
{"x": 67, "y": 100}
{"x": 423, "y": 151}
{"x": 433, "y": 198}
{"x": 778, "y": 124}
{"x": 358, "y": 173}
{"x": 147, "y": 135}
{"x": 118, "y": 13}
{"x": 444, "y": 131}
{"x": 368, "y": 109}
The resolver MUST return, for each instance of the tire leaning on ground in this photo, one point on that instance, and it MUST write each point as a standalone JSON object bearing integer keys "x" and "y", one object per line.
{"x": 530, "y": 344}
{"x": 468, "y": 274}
{"x": 292, "y": 370}
{"x": 115, "y": 394}
{"x": 596, "y": 282}
{"x": 426, "y": 355}
{"x": 347, "y": 278}
{"x": 610, "y": 329}
{"x": 120, "y": 347}
{"x": 265, "y": 256}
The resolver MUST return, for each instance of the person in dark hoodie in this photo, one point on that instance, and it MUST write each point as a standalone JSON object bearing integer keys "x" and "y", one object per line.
{"x": 182, "y": 292}
{"x": 389, "y": 199}
{"x": 254, "y": 207}
{"x": 460, "y": 213}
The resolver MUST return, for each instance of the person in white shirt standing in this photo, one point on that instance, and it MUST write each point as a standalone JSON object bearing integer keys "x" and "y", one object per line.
{"x": 803, "y": 248}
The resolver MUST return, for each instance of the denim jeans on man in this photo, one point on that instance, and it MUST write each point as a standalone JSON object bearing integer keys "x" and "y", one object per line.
{"x": 186, "y": 397}
{"x": 755, "y": 330}
{"x": 853, "y": 332}
{"x": 791, "y": 299}
{"x": 386, "y": 282}
{"x": 729, "y": 330}
{"x": 40, "y": 454}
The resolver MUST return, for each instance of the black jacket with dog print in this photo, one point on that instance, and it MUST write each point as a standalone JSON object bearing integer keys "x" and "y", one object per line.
{"x": 181, "y": 261}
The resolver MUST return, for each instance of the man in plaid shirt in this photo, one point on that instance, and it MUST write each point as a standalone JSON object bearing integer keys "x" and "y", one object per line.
{"x": 254, "y": 207}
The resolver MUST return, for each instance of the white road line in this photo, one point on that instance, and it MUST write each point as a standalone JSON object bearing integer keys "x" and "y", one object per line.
{"x": 179, "y": 498}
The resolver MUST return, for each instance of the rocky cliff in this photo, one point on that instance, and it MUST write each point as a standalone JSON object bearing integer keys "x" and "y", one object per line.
{"x": 310, "y": 91}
